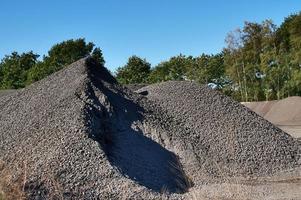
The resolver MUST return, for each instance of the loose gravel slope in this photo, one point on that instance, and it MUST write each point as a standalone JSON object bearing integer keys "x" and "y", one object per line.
{"x": 227, "y": 137}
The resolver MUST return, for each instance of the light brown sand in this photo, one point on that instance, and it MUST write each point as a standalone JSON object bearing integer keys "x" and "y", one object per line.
{"x": 285, "y": 113}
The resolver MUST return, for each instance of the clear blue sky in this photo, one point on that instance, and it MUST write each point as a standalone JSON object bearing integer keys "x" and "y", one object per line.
{"x": 152, "y": 29}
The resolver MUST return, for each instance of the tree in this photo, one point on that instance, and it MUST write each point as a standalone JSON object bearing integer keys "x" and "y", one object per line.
{"x": 14, "y": 69}
{"x": 269, "y": 61}
{"x": 136, "y": 70}
{"x": 248, "y": 57}
{"x": 294, "y": 28}
{"x": 67, "y": 52}
{"x": 176, "y": 68}
{"x": 216, "y": 70}
{"x": 235, "y": 66}
{"x": 63, "y": 54}
{"x": 38, "y": 72}
{"x": 208, "y": 69}
{"x": 252, "y": 47}
{"x": 198, "y": 71}
{"x": 159, "y": 73}
{"x": 97, "y": 55}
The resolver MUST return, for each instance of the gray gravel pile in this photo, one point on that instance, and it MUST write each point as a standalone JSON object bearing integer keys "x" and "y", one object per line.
{"x": 227, "y": 138}
{"x": 79, "y": 135}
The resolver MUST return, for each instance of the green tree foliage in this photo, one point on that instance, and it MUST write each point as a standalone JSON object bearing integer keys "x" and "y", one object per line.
{"x": 159, "y": 74}
{"x": 39, "y": 71}
{"x": 207, "y": 69}
{"x": 68, "y": 52}
{"x": 291, "y": 56}
{"x": 264, "y": 61}
{"x": 98, "y": 56}
{"x": 63, "y": 54}
{"x": 14, "y": 69}
{"x": 135, "y": 71}
{"x": 203, "y": 69}
{"x": 176, "y": 68}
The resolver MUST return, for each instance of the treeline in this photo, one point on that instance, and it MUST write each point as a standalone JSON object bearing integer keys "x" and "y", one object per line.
{"x": 260, "y": 62}
{"x": 207, "y": 69}
{"x": 18, "y": 70}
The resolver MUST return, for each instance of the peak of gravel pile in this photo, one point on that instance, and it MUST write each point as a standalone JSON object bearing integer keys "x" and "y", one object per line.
{"x": 78, "y": 134}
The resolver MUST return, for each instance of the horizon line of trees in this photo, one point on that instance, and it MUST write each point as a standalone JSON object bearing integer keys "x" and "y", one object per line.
{"x": 260, "y": 62}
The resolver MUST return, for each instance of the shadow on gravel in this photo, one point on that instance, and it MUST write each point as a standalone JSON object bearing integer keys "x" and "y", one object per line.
{"x": 136, "y": 156}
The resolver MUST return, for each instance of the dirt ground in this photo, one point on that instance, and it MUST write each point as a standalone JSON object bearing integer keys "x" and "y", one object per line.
{"x": 271, "y": 191}
{"x": 284, "y": 185}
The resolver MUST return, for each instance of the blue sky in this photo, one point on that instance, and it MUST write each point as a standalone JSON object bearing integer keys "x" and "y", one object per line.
{"x": 152, "y": 29}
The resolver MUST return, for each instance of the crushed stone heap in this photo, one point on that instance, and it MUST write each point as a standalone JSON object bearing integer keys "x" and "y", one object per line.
{"x": 78, "y": 134}
{"x": 226, "y": 137}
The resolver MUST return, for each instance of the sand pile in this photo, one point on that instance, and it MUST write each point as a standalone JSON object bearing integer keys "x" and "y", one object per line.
{"x": 78, "y": 134}
{"x": 261, "y": 108}
{"x": 283, "y": 112}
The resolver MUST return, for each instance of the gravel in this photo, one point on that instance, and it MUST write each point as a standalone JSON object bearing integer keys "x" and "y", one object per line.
{"x": 228, "y": 138}
{"x": 77, "y": 134}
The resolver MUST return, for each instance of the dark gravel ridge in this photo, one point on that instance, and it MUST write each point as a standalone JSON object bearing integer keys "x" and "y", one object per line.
{"x": 79, "y": 135}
